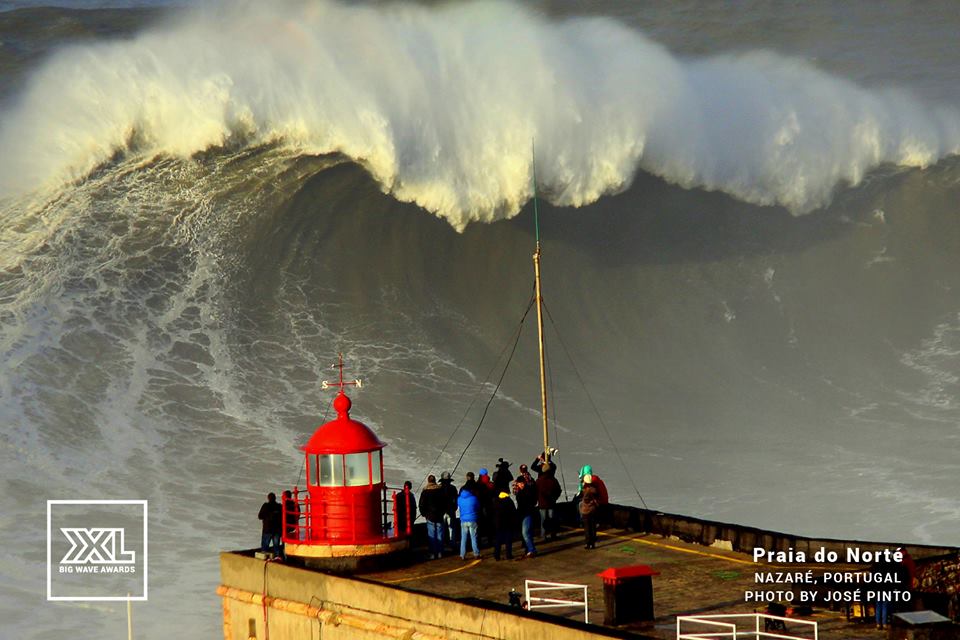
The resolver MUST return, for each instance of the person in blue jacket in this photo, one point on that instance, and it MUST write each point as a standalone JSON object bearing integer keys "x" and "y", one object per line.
{"x": 469, "y": 506}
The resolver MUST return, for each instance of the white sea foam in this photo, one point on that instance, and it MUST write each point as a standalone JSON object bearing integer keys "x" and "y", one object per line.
{"x": 441, "y": 105}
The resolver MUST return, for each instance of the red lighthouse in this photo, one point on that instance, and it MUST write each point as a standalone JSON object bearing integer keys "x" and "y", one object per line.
{"x": 346, "y": 511}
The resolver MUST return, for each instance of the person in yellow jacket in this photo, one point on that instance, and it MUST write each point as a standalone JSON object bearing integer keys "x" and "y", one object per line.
{"x": 504, "y": 519}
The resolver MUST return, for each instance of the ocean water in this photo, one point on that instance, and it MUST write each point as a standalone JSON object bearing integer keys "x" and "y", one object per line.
{"x": 750, "y": 236}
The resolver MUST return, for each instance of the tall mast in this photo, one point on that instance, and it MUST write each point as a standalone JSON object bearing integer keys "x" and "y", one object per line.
{"x": 536, "y": 274}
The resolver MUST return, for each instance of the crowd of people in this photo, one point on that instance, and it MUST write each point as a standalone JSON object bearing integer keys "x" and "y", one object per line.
{"x": 486, "y": 511}
{"x": 493, "y": 508}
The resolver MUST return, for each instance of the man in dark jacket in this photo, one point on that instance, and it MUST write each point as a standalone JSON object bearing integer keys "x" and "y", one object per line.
{"x": 451, "y": 528}
{"x": 894, "y": 573}
{"x": 504, "y": 519}
{"x": 502, "y": 477}
{"x": 470, "y": 484}
{"x": 432, "y": 506}
{"x": 548, "y": 492}
{"x": 271, "y": 514}
{"x": 405, "y": 502}
{"x": 526, "y": 491}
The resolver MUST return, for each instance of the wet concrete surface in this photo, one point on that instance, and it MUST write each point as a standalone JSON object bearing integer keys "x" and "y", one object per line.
{"x": 693, "y": 580}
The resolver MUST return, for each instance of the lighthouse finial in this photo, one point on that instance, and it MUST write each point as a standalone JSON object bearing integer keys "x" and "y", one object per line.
{"x": 341, "y": 403}
{"x": 326, "y": 384}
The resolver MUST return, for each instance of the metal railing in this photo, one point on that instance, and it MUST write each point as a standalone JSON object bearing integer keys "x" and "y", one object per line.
{"x": 539, "y": 602}
{"x": 314, "y": 523}
{"x": 738, "y": 625}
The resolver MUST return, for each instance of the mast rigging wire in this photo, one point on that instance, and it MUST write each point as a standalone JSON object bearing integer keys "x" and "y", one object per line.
{"x": 443, "y": 449}
{"x": 594, "y": 406}
{"x": 499, "y": 382}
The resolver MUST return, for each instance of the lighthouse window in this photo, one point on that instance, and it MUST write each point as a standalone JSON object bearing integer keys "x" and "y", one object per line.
{"x": 355, "y": 469}
{"x": 375, "y": 467}
{"x": 328, "y": 470}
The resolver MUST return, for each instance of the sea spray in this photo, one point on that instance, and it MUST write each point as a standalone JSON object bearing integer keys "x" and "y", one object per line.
{"x": 440, "y": 104}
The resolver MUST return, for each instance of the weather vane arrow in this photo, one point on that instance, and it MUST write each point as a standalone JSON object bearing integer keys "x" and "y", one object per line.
{"x": 326, "y": 384}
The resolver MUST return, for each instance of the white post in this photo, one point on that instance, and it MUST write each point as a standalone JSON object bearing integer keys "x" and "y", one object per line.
{"x": 129, "y": 618}
{"x": 586, "y": 608}
{"x": 756, "y": 618}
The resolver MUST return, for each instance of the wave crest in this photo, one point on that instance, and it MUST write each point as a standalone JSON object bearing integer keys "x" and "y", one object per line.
{"x": 441, "y": 105}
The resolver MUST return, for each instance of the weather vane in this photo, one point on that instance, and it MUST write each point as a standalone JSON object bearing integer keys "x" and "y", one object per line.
{"x": 326, "y": 384}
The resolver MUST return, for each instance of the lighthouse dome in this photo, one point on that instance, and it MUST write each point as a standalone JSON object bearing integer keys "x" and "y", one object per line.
{"x": 343, "y": 434}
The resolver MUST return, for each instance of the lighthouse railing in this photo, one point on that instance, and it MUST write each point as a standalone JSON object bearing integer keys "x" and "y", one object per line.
{"x": 297, "y": 517}
{"x": 392, "y": 515}
{"x": 306, "y": 521}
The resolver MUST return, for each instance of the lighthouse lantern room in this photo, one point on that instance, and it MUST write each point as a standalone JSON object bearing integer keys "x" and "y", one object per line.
{"x": 347, "y": 508}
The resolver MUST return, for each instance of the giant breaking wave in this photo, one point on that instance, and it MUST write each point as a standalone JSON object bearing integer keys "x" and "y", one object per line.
{"x": 441, "y": 106}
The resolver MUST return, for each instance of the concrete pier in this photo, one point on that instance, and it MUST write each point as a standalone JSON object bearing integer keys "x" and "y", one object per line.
{"x": 704, "y": 568}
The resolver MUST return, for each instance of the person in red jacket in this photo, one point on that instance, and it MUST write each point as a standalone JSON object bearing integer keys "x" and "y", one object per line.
{"x": 602, "y": 495}
{"x": 602, "y": 488}
{"x": 548, "y": 492}
{"x": 405, "y": 505}
{"x": 486, "y": 495}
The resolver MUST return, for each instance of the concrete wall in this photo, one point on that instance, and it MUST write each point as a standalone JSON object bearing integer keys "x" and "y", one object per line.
{"x": 299, "y": 603}
{"x": 741, "y": 538}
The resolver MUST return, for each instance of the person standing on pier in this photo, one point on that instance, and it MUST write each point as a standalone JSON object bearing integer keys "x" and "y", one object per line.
{"x": 451, "y": 526}
{"x": 469, "y": 506}
{"x": 406, "y": 503}
{"x": 602, "y": 495}
{"x": 898, "y": 573}
{"x": 589, "y": 510}
{"x": 548, "y": 492}
{"x": 526, "y": 491}
{"x": 486, "y": 495}
{"x": 271, "y": 515}
{"x": 432, "y": 508}
{"x": 504, "y": 519}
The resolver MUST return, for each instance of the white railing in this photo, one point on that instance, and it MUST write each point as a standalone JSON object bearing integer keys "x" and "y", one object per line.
{"x": 737, "y": 625}
{"x": 540, "y": 602}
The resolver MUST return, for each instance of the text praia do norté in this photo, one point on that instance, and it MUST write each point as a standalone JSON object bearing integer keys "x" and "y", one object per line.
{"x": 876, "y": 585}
